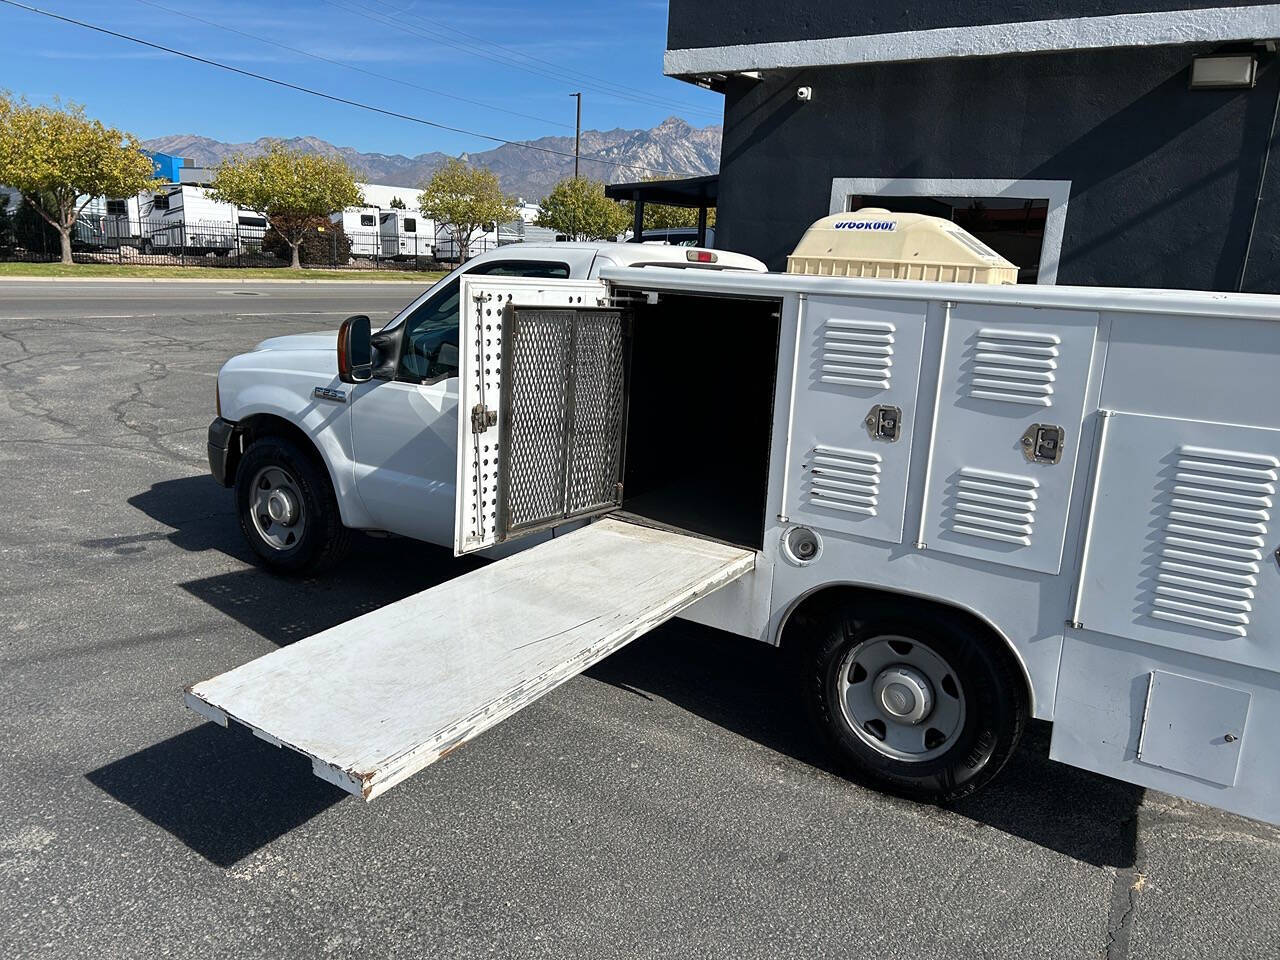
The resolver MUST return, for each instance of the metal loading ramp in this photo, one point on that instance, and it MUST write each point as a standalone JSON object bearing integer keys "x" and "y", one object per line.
{"x": 374, "y": 700}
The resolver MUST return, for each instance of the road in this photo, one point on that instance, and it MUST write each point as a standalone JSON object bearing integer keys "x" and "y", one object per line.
{"x": 158, "y": 300}
{"x": 669, "y": 803}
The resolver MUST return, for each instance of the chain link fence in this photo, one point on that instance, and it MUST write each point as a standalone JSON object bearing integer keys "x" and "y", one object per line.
{"x": 175, "y": 242}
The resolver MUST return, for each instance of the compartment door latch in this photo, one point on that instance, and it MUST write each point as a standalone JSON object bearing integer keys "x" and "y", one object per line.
{"x": 1042, "y": 443}
{"x": 482, "y": 418}
{"x": 884, "y": 422}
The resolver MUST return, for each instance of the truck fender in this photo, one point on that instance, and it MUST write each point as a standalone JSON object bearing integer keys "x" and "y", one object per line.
{"x": 326, "y": 424}
{"x": 815, "y": 595}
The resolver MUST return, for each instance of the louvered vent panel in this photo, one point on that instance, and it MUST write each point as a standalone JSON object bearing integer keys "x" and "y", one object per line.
{"x": 857, "y": 353}
{"x": 1215, "y": 531}
{"x": 995, "y": 506}
{"x": 846, "y": 480}
{"x": 1015, "y": 366}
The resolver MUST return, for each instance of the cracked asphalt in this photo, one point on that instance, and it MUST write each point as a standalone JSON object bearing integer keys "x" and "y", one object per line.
{"x": 671, "y": 802}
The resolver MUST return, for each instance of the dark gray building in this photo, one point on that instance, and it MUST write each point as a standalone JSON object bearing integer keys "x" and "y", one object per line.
{"x": 1120, "y": 142}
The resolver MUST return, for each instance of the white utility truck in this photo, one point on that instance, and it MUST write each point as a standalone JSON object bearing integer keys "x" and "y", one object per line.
{"x": 958, "y": 505}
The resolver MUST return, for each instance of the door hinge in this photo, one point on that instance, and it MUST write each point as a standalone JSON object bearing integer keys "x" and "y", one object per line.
{"x": 482, "y": 418}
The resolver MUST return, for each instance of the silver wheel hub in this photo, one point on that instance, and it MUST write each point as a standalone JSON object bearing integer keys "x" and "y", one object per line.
{"x": 901, "y": 698}
{"x": 275, "y": 507}
{"x": 903, "y": 693}
{"x": 282, "y": 507}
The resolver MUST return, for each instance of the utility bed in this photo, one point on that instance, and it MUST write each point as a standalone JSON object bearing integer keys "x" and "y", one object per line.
{"x": 378, "y": 698}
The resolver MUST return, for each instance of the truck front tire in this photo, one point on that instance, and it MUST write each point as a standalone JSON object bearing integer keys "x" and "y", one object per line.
{"x": 912, "y": 701}
{"x": 287, "y": 509}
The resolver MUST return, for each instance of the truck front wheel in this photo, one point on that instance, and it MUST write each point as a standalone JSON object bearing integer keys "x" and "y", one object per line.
{"x": 287, "y": 508}
{"x": 914, "y": 702}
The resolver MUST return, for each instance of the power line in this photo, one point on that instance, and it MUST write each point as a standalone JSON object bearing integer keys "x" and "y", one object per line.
{"x": 328, "y": 96}
{"x": 557, "y": 71}
{"x": 349, "y": 66}
{"x": 487, "y": 54}
{"x": 576, "y": 76}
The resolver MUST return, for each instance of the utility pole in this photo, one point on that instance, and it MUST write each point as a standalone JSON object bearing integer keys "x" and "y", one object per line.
{"x": 577, "y": 136}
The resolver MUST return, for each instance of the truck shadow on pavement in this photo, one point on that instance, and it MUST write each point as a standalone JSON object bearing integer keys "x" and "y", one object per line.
{"x": 746, "y": 687}
{"x": 225, "y": 794}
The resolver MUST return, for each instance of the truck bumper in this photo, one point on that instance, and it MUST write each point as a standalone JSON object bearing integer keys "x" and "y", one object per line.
{"x": 221, "y": 435}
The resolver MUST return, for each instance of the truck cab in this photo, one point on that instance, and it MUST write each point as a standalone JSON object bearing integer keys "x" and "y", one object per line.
{"x": 313, "y": 458}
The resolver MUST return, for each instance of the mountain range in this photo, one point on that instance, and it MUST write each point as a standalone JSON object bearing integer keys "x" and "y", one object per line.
{"x": 673, "y": 146}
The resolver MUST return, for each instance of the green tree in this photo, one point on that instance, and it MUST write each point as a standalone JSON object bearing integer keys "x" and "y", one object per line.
{"x": 463, "y": 198}
{"x": 60, "y": 160}
{"x": 578, "y": 208}
{"x": 294, "y": 190}
{"x": 6, "y": 223}
{"x": 398, "y": 204}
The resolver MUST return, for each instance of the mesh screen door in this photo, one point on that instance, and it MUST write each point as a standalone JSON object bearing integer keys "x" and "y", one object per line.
{"x": 563, "y": 416}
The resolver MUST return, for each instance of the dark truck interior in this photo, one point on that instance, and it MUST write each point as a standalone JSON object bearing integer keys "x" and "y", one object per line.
{"x": 700, "y": 415}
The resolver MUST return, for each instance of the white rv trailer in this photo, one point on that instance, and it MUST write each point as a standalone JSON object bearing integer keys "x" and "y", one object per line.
{"x": 109, "y": 223}
{"x": 406, "y": 234}
{"x": 483, "y": 239}
{"x": 184, "y": 217}
{"x": 959, "y": 505}
{"x": 360, "y": 224}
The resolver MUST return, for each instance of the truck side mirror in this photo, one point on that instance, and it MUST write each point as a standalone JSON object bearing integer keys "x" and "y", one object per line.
{"x": 355, "y": 350}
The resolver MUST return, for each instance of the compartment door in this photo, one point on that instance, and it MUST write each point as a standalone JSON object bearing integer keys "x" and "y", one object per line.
{"x": 1183, "y": 548}
{"x": 1006, "y": 433}
{"x": 857, "y": 379}
{"x": 541, "y": 406}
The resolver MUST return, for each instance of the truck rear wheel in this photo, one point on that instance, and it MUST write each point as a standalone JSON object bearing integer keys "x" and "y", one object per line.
{"x": 287, "y": 508}
{"x": 913, "y": 702}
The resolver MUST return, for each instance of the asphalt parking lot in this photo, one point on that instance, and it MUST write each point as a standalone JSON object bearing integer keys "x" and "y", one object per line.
{"x": 670, "y": 803}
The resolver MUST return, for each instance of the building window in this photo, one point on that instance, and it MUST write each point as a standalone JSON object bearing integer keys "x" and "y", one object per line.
{"x": 410, "y": 225}
{"x": 366, "y": 219}
{"x": 1020, "y": 219}
{"x": 117, "y": 208}
{"x": 160, "y": 202}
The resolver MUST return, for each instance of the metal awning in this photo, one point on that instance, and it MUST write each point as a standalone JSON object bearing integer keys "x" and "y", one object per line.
{"x": 698, "y": 193}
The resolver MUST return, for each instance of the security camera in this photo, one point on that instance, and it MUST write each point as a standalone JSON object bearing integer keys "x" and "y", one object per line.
{"x": 804, "y": 94}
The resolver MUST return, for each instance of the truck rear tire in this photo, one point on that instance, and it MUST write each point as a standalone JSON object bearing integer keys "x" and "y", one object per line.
{"x": 913, "y": 702}
{"x": 287, "y": 508}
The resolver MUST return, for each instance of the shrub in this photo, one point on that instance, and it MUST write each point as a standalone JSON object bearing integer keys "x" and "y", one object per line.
{"x": 33, "y": 232}
{"x": 325, "y": 245}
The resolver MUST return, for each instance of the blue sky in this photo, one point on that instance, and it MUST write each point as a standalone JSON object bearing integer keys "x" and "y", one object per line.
{"x": 504, "y": 53}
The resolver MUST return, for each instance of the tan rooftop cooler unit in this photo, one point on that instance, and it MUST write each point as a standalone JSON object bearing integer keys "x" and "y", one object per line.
{"x": 875, "y": 243}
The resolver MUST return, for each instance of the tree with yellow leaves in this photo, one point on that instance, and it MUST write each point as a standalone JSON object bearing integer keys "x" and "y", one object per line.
{"x": 464, "y": 200}
{"x": 577, "y": 208}
{"x": 60, "y": 160}
{"x": 296, "y": 191}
